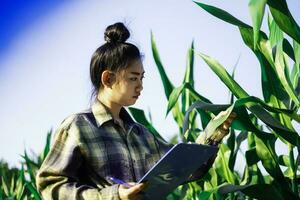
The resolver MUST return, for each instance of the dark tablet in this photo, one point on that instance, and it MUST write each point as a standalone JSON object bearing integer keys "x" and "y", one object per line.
{"x": 174, "y": 168}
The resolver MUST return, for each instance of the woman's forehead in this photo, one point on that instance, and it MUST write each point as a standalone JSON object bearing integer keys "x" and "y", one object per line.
{"x": 135, "y": 68}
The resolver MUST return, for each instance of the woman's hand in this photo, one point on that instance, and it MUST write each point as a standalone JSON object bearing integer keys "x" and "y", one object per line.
{"x": 219, "y": 134}
{"x": 132, "y": 193}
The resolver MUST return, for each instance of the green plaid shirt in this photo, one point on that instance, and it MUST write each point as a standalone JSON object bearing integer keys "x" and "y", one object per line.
{"x": 88, "y": 147}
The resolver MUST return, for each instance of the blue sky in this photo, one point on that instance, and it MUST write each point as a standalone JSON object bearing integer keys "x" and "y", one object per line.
{"x": 46, "y": 46}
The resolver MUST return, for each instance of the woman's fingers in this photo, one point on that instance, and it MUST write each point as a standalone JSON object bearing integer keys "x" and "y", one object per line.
{"x": 137, "y": 188}
{"x": 131, "y": 193}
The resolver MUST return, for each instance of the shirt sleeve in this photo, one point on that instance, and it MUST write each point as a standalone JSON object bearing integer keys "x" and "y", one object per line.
{"x": 58, "y": 176}
{"x": 162, "y": 146}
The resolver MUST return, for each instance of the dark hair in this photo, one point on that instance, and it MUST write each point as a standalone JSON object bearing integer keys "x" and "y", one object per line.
{"x": 116, "y": 54}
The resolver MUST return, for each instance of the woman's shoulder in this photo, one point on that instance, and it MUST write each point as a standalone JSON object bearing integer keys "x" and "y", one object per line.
{"x": 75, "y": 119}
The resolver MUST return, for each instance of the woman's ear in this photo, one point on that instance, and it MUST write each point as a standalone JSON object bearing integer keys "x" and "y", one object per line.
{"x": 107, "y": 78}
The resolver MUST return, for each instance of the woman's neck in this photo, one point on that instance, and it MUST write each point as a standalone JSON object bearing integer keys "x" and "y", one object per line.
{"x": 113, "y": 107}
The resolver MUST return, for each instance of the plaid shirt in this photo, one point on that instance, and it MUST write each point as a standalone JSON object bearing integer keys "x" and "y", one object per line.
{"x": 90, "y": 146}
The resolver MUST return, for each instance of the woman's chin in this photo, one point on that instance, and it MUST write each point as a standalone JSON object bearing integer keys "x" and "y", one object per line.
{"x": 130, "y": 103}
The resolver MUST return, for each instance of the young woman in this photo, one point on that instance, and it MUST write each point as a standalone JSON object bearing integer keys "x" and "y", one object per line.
{"x": 104, "y": 141}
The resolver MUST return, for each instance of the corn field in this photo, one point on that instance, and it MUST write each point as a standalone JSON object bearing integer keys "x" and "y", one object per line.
{"x": 260, "y": 122}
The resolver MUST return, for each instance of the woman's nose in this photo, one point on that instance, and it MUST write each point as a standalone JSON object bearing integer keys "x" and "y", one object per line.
{"x": 140, "y": 86}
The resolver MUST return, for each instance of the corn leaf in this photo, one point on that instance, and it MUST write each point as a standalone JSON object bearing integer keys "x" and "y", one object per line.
{"x": 140, "y": 117}
{"x": 258, "y": 191}
{"x": 179, "y": 91}
{"x": 241, "y": 122}
{"x": 251, "y": 157}
{"x": 287, "y": 134}
{"x": 219, "y": 13}
{"x": 222, "y": 166}
{"x": 255, "y": 175}
{"x": 168, "y": 86}
{"x": 257, "y": 10}
{"x": 47, "y": 146}
{"x": 296, "y": 71}
{"x": 188, "y": 78}
{"x": 269, "y": 78}
{"x": 288, "y": 49}
{"x": 284, "y": 19}
{"x": 12, "y": 184}
{"x": 234, "y": 150}
{"x": 283, "y": 76}
{"x": 276, "y": 34}
{"x": 266, "y": 153}
{"x": 33, "y": 191}
{"x": 5, "y": 186}
{"x": 29, "y": 164}
{"x": 234, "y": 87}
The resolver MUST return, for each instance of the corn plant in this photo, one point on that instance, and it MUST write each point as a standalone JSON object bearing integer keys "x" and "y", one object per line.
{"x": 17, "y": 184}
{"x": 259, "y": 122}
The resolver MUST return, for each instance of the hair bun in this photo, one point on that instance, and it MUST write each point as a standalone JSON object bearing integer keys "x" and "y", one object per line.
{"x": 116, "y": 33}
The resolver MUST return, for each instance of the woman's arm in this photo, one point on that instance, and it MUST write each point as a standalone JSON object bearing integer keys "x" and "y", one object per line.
{"x": 58, "y": 177}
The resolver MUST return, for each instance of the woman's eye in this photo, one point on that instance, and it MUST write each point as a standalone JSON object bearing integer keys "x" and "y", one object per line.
{"x": 133, "y": 79}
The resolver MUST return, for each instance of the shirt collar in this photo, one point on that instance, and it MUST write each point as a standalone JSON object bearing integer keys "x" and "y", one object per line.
{"x": 102, "y": 114}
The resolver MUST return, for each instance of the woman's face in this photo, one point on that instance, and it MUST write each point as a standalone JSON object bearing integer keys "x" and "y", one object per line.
{"x": 129, "y": 84}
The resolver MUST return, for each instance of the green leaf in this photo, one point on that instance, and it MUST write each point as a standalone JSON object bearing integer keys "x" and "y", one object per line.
{"x": 232, "y": 75}
{"x": 221, "y": 14}
{"x": 168, "y": 86}
{"x": 205, "y": 195}
{"x": 188, "y": 78}
{"x": 234, "y": 87}
{"x": 178, "y": 91}
{"x": 296, "y": 71}
{"x": 290, "y": 113}
{"x": 12, "y": 184}
{"x": 231, "y": 145}
{"x": 276, "y": 34}
{"x": 284, "y": 19}
{"x": 288, "y": 49}
{"x": 266, "y": 153}
{"x": 270, "y": 84}
{"x": 33, "y": 191}
{"x": 273, "y": 91}
{"x": 140, "y": 117}
{"x": 241, "y": 122}
{"x": 257, "y": 10}
{"x": 239, "y": 139}
{"x": 251, "y": 157}
{"x": 257, "y": 191}
{"x": 284, "y": 160}
{"x": 20, "y": 192}
{"x": 263, "y": 115}
{"x": 255, "y": 175}
{"x": 280, "y": 69}
{"x": 47, "y": 146}
{"x": 5, "y": 186}
{"x": 29, "y": 164}
{"x": 221, "y": 165}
